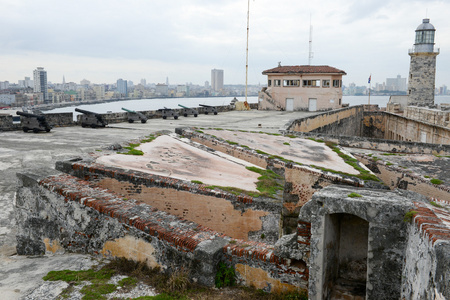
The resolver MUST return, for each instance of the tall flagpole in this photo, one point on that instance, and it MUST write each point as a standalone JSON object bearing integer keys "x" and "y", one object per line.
{"x": 370, "y": 85}
{"x": 246, "y": 58}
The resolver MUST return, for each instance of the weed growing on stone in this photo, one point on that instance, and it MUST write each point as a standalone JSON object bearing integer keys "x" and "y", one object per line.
{"x": 436, "y": 204}
{"x": 409, "y": 216}
{"x": 389, "y": 164}
{"x": 196, "y": 181}
{"x": 426, "y": 176}
{"x": 268, "y": 183}
{"x": 316, "y": 140}
{"x": 231, "y": 142}
{"x": 354, "y": 195}
{"x": 436, "y": 181}
{"x": 225, "y": 276}
{"x": 199, "y": 131}
{"x": 286, "y": 143}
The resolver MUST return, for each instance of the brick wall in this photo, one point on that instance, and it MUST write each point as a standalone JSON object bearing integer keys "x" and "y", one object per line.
{"x": 238, "y": 216}
{"x": 59, "y": 212}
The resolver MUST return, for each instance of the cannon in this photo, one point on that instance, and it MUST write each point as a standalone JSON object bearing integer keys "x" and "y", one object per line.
{"x": 135, "y": 116}
{"x": 91, "y": 119}
{"x": 209, "y": 109}
{"x": 188, "y": 111}
{"x": 33, "y": 122}
{"x": 168, "y": 112}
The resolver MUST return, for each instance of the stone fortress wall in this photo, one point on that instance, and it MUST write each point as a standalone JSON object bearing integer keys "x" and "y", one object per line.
{"x": 92, "y": 209}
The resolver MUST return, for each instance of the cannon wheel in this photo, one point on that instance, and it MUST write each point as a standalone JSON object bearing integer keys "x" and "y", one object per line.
{"x": 215, "y": 112}
{"x": 143, "y": 121}
{"x": 185, "y": 114}
{"x": 35, "y": 130}
{"x": 25, "y": 129}
{"x": 195, "y": 115}
{"x": 175, "y": 117}
{"x": 47, "y": 130}
{"x": 130, "y": 121}
{"x": 206, "y": 112}
{"x": 83, "y": 125}
{"x": 164, "y": 117}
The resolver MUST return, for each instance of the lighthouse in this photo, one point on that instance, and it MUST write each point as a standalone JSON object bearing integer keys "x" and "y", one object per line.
{"x": 422, "y": 70}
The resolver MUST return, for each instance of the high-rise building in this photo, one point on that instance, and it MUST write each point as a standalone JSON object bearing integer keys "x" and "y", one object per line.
{"x": 216, "y": 80}
{"x": 122, "y": 87}
{"x": 40, "y": 83}
{"x": 396, "y": 84}
{"x": 422, "y": 70}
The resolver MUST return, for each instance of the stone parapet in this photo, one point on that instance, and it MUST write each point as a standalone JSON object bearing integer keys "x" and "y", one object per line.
{"x": 63, "y": 213}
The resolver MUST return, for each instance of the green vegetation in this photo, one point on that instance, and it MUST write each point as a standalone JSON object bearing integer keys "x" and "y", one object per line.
{"x": 286, "y": 143}
{"x": 268, "y": 183}
{"x": 199, "y": 131}
{"x": 225, "y": 276}
{"x": 436, "y": 181}
{"x": 131, "y": 146}
{"x": 316, "y": 140}
{"x": 291, "y": 136}
{"x": 435, "y": 204}
{"x": 354, "y": 195}
{"x": 231, "y": 142}
{"x": 409, "y": 216}
{"x": 389, "y": 164}
{"x": 171, "y": 287}
{"x": 262, "y": 152}
{"x": 263, "y": 236}
{"x": 196, "y": 181}
{"x": 426, "y": 176}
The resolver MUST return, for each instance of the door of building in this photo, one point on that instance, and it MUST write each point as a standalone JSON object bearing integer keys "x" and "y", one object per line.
{"x": 312, "y": 104}
{"x": 289, "y": 104}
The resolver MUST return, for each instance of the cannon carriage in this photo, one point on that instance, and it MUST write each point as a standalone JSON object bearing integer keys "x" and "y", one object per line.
{"x": 186, "y": 111}
{"x": 168, "y": 112}
{"x": 135, "y": 116}
{"x": 91, "y": 119}
{"x": 209, "y": 109}
{"x": 33, "y": 122}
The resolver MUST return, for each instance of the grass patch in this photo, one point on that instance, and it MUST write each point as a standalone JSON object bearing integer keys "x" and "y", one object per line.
{"x": 435, "y": 204}
{"x": 268, "y": 183}
{"x": 436, "y": 181}
{"x": 291, "y": 136}
{"x": 196, "y": 181}
{"x": 199, "y": 131}
{"x": 389, "y": 164}
{"x": 316, "y": 140}
{"x": 286, "y": 143}
{"x": 262, "y": 152}
{"x": 231, "y": 142}
{"x": 426, "y": 176}
{"x": 409, "y": 216}
{"x": 354, "y": 195}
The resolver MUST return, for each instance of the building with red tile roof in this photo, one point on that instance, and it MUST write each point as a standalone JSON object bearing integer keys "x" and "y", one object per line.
{"x": 309, "y": 88}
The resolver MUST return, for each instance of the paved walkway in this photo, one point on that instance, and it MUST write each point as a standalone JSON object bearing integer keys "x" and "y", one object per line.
{"x": 21, "y": 151}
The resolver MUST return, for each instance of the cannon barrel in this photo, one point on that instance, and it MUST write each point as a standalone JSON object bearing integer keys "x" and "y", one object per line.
{"x": 204, "y": 105}
{"x": 86, "y": 112}
{"x": 28, "y": 115}
{"x": 130, "y": 111}
{"x": 182, "y": 106}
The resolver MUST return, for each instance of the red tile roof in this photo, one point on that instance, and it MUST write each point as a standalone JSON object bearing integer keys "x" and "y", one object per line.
{"x": 304, "y": 70}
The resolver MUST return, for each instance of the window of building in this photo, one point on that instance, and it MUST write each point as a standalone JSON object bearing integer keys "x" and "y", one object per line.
{"x": 291, "y": 82}
{"x": 337, "y": 83}
{"x": 277, "y": 82}
{"x": 311, "y": 83}
{"x": 269, "y": 83}
{"x": 325, "y": 83}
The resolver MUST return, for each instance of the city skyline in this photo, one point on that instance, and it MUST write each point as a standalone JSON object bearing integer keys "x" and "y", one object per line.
{"x": 185, "y": 40}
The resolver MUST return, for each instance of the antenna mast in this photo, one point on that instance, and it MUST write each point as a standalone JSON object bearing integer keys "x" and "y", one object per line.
{"x": 311, "y": 54}
{"x": 246, "y": 56}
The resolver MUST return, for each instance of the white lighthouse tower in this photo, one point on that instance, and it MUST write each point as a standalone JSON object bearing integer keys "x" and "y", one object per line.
{"x": 422, "y": 70}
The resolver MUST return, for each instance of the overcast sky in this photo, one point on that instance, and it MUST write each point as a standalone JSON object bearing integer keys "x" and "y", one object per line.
{"x": 184, "y": 39}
